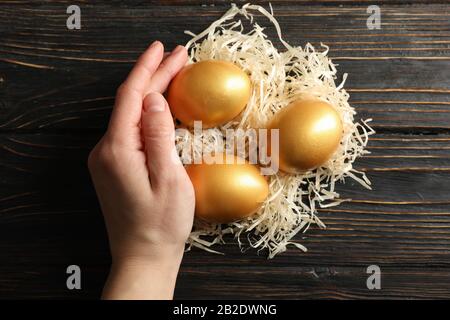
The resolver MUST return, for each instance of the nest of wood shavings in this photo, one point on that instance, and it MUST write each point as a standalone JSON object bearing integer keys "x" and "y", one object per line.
{"x": 278, "y": 78}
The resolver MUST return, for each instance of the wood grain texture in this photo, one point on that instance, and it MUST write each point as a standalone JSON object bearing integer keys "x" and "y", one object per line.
{"x": 59, "y": 67}
{"x": 56, "y": 92}
{"x": 403, "y": 225}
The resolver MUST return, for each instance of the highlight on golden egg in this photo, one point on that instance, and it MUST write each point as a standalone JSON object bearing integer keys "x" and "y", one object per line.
{"x": 211, "y": 91}
{"x": 310, "y": 131}
{"x": 227, "y": 191}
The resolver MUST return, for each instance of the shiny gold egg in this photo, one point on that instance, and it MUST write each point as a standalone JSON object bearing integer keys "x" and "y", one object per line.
{"x": 309, "y": 133}
{"x": 212, "y": 91}
{"x": 228, "y": 191}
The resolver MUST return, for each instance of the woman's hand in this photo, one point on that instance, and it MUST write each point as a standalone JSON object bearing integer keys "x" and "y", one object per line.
{"x": 145, "y": 194}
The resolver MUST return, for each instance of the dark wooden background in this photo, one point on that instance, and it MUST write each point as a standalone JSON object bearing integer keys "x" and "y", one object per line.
{"x": 56, "y": 92}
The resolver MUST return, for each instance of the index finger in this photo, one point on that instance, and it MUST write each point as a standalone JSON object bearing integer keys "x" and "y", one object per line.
{"x": 142, "y": 72}
{"x": 126, "y": 114}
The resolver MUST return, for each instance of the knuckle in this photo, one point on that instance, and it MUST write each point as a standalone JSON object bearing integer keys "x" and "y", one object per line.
{"x": 121, "y": 89}
{"x": 143, "y": 68}
{"x": 102, "y": 158}
{"x": 159, "y": 131}
{"x": 175, "y": 180}
{"x": 168, "y": 70}
{"x": 95, "y": 159}
{"x": 125, "y": 90}
{"x": 92, "y": 159}
{"x": 169, "y": 180}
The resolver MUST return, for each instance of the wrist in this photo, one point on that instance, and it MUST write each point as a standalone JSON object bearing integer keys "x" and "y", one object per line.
{"x": 150, "y": 276}
{"x": 164, "y": 261}
{"x": 146, "y": 253}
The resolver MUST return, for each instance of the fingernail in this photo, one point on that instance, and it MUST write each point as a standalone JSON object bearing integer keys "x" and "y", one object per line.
{"x": 154, "y": 44}
{"x": 154, "y": 104}
{"x": 177, "y": 49}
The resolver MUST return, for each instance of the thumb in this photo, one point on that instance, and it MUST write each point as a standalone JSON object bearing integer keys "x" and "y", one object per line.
{"x": 158, "y": 133}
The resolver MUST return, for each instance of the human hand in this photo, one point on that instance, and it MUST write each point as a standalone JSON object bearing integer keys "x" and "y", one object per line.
{"x": 144, "y": 191}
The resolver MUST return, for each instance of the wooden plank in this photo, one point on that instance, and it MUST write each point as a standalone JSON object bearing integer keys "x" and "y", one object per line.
{"x": 398, "y": 103}
{"x": 256, "y": 281}
{"x": 56, "y": 92}
{"x": 46, "y": 198}
{"x": 397, "y": 75}
{"x": 311, "y": 283}
{"x": 409, "y": 25}
{"x": 137, "y": 4}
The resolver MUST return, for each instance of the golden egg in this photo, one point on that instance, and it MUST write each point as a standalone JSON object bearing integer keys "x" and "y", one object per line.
{"x": 309, "y": 133}
{"x": 211, "y": 91}
{"x": 226, "y": 192}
